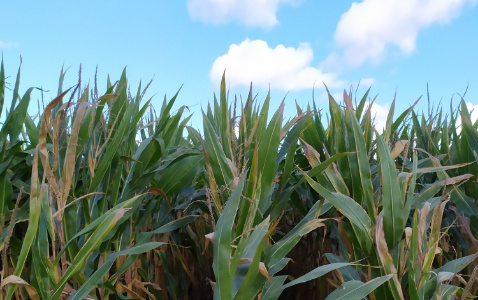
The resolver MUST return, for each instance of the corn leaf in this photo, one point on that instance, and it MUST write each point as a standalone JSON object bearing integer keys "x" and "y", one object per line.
{"x": 93, "y": 242}
{"x": 100, "y": 273}
{"x": 356, "y": 290}
{"x": 222, "y": 244}
{"x": 351, "y": 210}
{"x": 33, "y": 219}
{"x": 393, "y": 205}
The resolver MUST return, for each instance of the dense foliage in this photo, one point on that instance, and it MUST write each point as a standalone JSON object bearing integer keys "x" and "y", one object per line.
{"x": 104, "y": 197}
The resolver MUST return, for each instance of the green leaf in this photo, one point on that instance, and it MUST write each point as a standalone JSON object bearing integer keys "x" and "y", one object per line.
{"x": 222, "y": 244}
{"x": 130, "y": 203}
{"x": 6, "y": 192}
{"x": 14, "y": 123}
{"x": 218, "y": 160}
{"x": 267, "y": 153}
{"x": 324, "y": 165}
{"x": 386, "y": 259}
{"x": 145, "y": 237}
{"x": 361, "y": 105}
{"x": 471, "y": 135}
{"x": 351, "y": 210}
{"x": 255, "y": 238}
{"x": 100, "y": 273}
{"x": 2, "y": 87}
{"x": 34, "y": 216}
{"x": 356, "y": 290}
{"x": 43, "y": 269}
{"x": 271, "y": 292}
{"x": 93, "y": 242}
{"x": 389, "y": 123}
{"x": 457, "y": 265}
{"x": 32, "y": 130}
{"x": 393, "y": 206}
{"x": 275, "y": 290}
{"x": 280, "y": 249}
{"x": 111, "y": 150}
{"x": 16, "y": 95}
{"x": 348, "y": 272}
{"x": 316, "y": 273}
{"x": 178, "y": 175}
{"x": 252, "y": 282}
{"x": 361, "y": 176}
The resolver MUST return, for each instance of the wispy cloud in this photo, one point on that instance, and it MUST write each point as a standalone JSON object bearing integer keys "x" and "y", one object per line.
{"x": 367, "y": 82}
{"x": 5, "y": 45}
{"x": 254, "y": 13}
{"x": 369, "y": 28}
{"x": 282, "y": 68}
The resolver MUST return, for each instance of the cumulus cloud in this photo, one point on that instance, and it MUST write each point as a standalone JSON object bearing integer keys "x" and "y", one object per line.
{"x": 283, "y": 68}
{"x": 256, "y": 13}
{"x": 379, "y": 115}
{"x": 369, "y": 28}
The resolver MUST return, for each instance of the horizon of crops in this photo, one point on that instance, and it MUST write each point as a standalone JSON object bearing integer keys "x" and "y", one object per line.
{"x": 106, "y": 197}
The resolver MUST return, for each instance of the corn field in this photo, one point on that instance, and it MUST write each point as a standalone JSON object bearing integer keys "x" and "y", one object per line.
{"x": 106, "y": 197}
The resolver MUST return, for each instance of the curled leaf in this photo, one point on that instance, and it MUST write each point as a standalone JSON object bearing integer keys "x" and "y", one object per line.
{"x": 264, "y": 272}
{"x": 456, "y": 179}
{"x": 399, "y": 147}
{"x": 12, "y": 279}
{"x": 209, "y": 238}
{"x": 408, "y": 235}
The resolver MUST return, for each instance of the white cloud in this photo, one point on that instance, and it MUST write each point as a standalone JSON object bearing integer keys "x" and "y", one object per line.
{"x": 282, "y": 68}
{"x": 257, "y": 13}
{"x": 473, "y": 110}
{"x": 367, "y": 30}
{"x": 4, "y": 45}
{"x": 379, "y": 115}
{"x": 367, "y": 82}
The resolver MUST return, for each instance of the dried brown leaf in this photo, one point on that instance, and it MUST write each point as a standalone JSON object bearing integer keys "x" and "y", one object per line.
{"x": 12, "y": 279}
{"x": 399, "y": 147}
{"x": 422, "y": 224}
{"x": 469, "y": 284}
{"x": 141, "y": 286}
{"x": 70, "y": 158}
{"x": 44, "y": 126}
{"x": 466, "y": 232}
{"x": 107, "y": 96}
{"x": 408, "y": 235}
{"x": 264, "y": 272}
{"x": 348, "y": 101}
{"x": 209, "y": 238}
{"x": 310, "y": 153}
{"x": 123, "y": 288}
{"x": 385, "y": 256}
{"x": 456, "y": 179}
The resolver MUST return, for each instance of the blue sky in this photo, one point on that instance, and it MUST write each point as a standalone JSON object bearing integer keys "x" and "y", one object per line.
{"x": 287, "y": 45}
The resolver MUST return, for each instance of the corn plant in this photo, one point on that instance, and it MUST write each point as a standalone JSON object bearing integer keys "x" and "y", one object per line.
{"x": 251, "y": 176}
{"x": 103, "y": 197}
{"x": 370, "y": 192}
{"x": 90, "y": 186}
